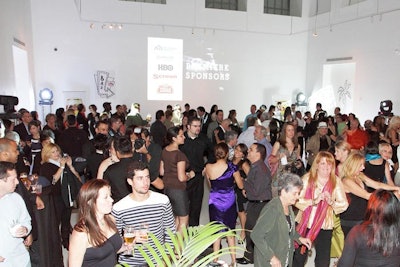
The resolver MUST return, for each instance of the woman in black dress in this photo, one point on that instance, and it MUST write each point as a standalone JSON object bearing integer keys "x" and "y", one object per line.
{"x": 95, "y": 240}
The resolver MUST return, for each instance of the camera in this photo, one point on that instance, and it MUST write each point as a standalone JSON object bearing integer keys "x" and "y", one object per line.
{"x": 296, "y": 167}
{"x": 138, "y": 143}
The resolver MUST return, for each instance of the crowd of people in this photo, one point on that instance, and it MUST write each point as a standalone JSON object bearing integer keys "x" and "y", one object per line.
{"x": 293, "y": 181}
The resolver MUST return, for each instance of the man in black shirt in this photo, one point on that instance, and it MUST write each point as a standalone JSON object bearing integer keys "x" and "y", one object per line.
{"x": 117, "y": 173}
{"x": 22, "y": 128}
{"x": 72, "y": 139}
{"x": 196, "y": 146}
{"x": 205, "y": 119}
{"x": 158, "y": 129}
{"x": 257, "y": 187}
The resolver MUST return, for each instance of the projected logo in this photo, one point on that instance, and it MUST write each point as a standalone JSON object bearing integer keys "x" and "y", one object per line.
{"x": 164, "y": 69}
{"x": 199, "y": 69}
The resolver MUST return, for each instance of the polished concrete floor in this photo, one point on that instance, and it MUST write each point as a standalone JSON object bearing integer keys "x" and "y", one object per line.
{"x": 204, "y": 219}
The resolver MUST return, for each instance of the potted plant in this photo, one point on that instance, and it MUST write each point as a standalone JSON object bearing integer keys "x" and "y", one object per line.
{"x": 188, "y": 247}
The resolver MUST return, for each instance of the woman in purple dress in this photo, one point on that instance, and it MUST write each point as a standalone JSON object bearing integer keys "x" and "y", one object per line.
{"x": 221, "y": 177}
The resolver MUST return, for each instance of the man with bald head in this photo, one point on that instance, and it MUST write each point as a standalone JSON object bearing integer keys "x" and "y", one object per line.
{"x": 8, "y": 150}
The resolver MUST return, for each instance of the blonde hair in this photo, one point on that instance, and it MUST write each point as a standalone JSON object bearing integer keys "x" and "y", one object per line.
{"x": 393, "y": 123}
{"x": 313, "y": 175}
{"x": 343, "y": 145}
{"x": 352, "y": 165}
{"x": 69, "y": 111}
{"x": 383, "y": 145}
{"x": 46, "y": 151}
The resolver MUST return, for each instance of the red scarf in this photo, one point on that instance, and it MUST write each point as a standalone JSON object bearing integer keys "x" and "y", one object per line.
{"x": 320, "y": 214}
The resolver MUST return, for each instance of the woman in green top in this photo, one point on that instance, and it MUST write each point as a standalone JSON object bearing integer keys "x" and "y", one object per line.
{"x": 275, "y": 230}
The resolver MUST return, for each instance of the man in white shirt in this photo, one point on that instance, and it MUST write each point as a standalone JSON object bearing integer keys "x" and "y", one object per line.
{"x": 247, "y": 137}
{"x": 15, "y": 222}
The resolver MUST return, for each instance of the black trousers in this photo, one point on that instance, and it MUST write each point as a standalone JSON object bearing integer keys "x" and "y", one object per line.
{"x": 253, "y": 212}
{"x": 66, "y": 227}
{"x": 195, "y": 189}
{"x": 322, "y": 246}
{"x": 63, "y": 214}
{"x": 34, "y": 254}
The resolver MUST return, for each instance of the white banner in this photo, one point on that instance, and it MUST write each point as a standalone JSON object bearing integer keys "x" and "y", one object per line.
{"x": 164, "y": 69}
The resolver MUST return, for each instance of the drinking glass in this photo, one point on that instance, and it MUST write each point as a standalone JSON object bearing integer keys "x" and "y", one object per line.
{"x": 143, "y": 232}
{"x": 15, "y": 225}
{"x": 24, "y": 179}
{"x": 37, "y": 189}
{"x": 129, "y": 237}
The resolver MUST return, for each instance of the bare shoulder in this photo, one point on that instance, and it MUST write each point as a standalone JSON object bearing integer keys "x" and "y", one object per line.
{"x": 80, "y": 238}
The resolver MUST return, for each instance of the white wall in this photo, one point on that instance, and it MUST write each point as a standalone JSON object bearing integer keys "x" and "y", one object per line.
{"x": 371, "y": 40}
{"x": 15, "y": 21}
{"x": 263, "y": 67}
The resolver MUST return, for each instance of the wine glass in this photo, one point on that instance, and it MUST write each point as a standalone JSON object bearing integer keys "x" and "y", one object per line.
{"x": 129, "y": 236}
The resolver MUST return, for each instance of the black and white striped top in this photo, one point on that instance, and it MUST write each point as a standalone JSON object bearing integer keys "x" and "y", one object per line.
{"x": 155, "y": 211}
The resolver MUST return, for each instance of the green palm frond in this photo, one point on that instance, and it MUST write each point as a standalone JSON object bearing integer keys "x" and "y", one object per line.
{"x": 188, "y": 246}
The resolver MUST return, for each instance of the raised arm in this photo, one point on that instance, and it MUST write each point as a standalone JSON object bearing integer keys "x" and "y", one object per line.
{"x": 377, "y": 185}
{"x": 350, "y": 186}
{"x": 274, "y": 158}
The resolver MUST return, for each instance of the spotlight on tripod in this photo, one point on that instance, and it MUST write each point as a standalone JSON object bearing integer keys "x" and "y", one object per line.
{"x": 386, "y": 107}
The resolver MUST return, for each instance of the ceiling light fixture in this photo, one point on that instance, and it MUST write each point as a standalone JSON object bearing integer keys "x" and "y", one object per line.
{"x": 109, "y": 26}
{"x": 315, "y": 34}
